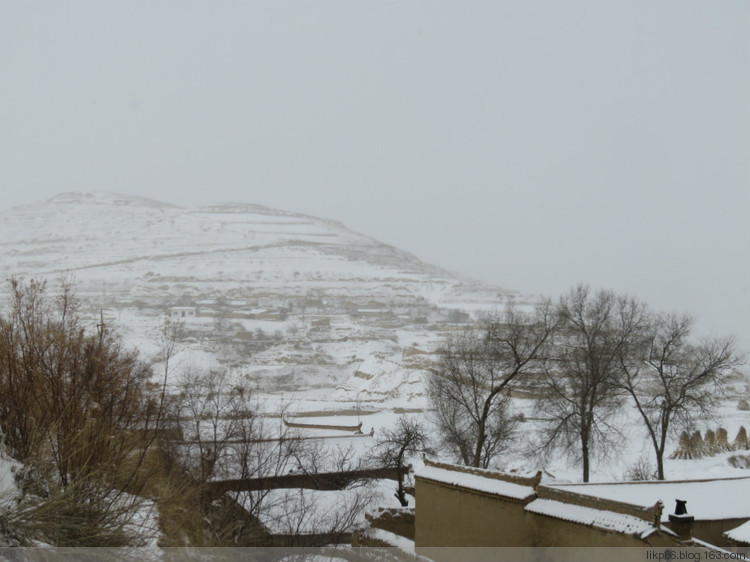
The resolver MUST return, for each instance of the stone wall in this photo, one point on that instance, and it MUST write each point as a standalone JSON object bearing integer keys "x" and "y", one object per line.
{"x": 399, "y": 521}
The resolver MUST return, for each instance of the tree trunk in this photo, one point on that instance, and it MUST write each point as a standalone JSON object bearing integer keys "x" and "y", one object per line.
{"x": 480, "y": 444}
{"x": 660, "y": 454}
{"x": 660, "y": 465}
{"x": 585, "y": 433}
{"x": 482, "y": 437}
{"x": 585, "y": 458}
{"x": 401, "y": 493}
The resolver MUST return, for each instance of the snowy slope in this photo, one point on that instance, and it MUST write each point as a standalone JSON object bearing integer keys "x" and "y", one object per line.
{"x": 143, "y": 248}
{"x": 287, "y": 300}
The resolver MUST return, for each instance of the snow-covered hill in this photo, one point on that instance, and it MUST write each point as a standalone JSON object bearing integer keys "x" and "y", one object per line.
{"x": 290, "y": 301}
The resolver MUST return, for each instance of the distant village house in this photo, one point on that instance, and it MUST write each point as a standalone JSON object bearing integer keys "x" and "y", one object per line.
{"x": 182, "y": 312}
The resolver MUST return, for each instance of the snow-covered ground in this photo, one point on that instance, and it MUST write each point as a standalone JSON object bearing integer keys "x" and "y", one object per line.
{"x": 8, "y": 487}
{"x": 285, "y": 301}
{"x": 334, "y": 326}
{"x": 300, "y": 511}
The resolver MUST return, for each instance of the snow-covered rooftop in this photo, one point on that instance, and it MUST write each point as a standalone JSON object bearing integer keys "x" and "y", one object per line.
{"x": 476, "y": 482}
{"x": 706, "y": 499}
{"x": 607, "y": 520}
{"x": 402, "y": 543}
{"x": 740, "y": 534}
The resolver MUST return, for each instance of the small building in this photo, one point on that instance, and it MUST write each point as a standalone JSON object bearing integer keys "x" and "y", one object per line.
{"x": 459, "y": 506}
{"x": 182, "y": 312}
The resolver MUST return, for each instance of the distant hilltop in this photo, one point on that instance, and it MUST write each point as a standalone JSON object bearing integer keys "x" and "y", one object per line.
{"x": 289, "y": 300}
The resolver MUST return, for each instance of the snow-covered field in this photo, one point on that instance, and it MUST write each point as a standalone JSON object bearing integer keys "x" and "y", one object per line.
{"x": 302, "y": 310}
{"x": 329, "y": 325}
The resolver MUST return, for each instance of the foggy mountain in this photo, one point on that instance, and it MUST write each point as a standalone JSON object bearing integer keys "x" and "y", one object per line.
{"x": 291, "y": 301}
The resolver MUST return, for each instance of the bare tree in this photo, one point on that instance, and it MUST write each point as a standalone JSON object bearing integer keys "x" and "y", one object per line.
{"x": 228, "y": 435}
{"x": 469, "y": 393}
{"x": 395, "y": 445}
{"x": 206, "y": 408}
{"x": 315, "y": 518}
{"x": 581, "y": 388}
{"x": 674, "y": 380}
{"x": 318, "y": 461}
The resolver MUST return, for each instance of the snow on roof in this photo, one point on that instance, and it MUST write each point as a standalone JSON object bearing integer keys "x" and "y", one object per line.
{"x": 607, "y": 520}
{"x": 476, "y": 482}
{"x": 740, "y": 534}
{"x": 726, "y": 554}
{"x": 397, "y": 541}
{"x": 707, "y": 500}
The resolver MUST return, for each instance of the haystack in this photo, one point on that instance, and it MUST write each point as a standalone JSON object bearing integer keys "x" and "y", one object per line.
{"x": 710, "y": 443}
{"x": 691, "y": 447}
{"x": 722, "y": 441}
{"x": 741, "y": 442}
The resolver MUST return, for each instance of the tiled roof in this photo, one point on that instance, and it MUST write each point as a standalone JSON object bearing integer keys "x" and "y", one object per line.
{"x": 607, "y": 520}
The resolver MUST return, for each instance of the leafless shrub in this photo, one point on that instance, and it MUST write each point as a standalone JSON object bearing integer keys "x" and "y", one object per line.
{"x": 396, "y": 445}
{"x": 299, "y": 514}
{"x": 80, "y": 412}
{"x": 739, "y": 461}
{"x": 641, "y": 470}
{"x": 82, "y": 514}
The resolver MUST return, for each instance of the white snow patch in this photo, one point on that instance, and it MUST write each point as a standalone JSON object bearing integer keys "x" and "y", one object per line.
{"x": 402, "y": 543}
{"x": 8, "y": 468}
{"x": 608, "y": 520}
{"x": 302, "y": 511}
{"x": 475, "y": 482}
{"x": 740, "y": 534}
{"x": 706, "y": 499}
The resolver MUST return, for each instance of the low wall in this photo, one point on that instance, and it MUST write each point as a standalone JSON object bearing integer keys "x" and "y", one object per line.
{"x": 322, "y": 481}
{"x": 353, "y": 428}
{"x": 316, "y": 540}
{"x": 399, "y": 521}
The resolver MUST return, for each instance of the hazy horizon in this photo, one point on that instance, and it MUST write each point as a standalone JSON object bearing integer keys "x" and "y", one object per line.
{"x": 532, "y": 145}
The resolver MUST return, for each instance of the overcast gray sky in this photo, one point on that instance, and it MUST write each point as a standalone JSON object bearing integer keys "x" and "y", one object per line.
{"x": 531, "y": 144}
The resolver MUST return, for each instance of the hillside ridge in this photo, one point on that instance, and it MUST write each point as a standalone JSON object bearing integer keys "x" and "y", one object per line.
{"x": 286, "y": 299}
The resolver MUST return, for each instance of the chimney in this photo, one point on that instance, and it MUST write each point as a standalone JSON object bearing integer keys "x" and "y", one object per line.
{"x": 682, "y": 523}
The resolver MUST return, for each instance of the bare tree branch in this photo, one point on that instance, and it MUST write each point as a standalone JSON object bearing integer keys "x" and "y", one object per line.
{"x": 470, "y": 392}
